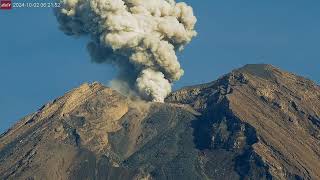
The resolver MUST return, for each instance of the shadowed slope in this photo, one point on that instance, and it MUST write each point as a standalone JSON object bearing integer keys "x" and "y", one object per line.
{"x": 282, "y": 110}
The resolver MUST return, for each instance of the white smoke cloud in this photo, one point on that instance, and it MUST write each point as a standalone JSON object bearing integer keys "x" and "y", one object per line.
{"x": 153, "y": 85}
{"x": 139, "y": 37}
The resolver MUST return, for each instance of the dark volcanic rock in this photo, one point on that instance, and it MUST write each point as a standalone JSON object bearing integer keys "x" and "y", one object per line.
{"x": 256, "y": 122}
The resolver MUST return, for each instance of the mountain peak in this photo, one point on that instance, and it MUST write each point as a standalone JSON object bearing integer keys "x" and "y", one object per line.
{"x": 257, "y": 67}
{"x": 257, "y": 122}
{"x": 262, "y": 71}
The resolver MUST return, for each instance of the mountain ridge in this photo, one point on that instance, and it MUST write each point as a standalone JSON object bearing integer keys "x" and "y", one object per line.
{"x": 256, "y": 122}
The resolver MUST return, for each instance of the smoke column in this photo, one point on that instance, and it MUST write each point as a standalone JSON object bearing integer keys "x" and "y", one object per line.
{"x": 139, "y": 37}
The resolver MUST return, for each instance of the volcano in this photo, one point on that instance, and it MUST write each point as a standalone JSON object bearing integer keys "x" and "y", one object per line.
{"x": 256, "y": 122}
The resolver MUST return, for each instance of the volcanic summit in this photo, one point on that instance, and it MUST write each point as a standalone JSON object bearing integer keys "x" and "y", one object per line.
{"x": 256, "y": 122}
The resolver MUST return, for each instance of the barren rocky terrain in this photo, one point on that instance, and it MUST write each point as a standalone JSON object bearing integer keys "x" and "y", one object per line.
{"x": 257, "y": 122}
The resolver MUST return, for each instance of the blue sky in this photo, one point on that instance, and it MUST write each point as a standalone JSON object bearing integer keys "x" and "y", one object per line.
{"x": 39, "y": 63}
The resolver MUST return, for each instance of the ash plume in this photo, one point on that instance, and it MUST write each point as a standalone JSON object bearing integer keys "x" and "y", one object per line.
{"x": 139, "y": 37}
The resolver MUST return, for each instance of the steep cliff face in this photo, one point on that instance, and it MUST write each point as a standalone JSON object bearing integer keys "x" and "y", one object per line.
{"x": 256, "y": 122}
{"x": 269, "y": 117}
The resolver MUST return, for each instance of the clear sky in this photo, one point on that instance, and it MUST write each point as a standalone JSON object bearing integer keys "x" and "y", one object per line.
{"x": 39, "y": 63}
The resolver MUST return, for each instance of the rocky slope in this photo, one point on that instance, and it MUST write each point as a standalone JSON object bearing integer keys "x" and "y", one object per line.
{"x": 257, "y": 122}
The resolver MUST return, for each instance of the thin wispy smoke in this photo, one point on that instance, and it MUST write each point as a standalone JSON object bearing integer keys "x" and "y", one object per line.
{"x": 139, "y": 37}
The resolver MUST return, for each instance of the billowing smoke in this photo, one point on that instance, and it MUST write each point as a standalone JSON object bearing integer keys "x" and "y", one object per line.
{"x": 139, "y": 37}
